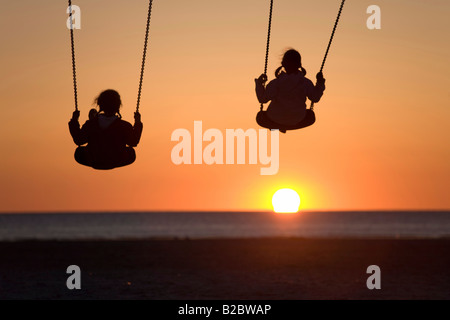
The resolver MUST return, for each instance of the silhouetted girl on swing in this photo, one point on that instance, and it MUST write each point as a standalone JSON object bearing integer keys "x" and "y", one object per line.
{"x": 110, "y": 140}
{"x": 288, "y": 93}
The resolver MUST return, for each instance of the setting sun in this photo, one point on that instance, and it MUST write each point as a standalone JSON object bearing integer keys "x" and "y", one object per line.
{"x": 286, "y": 201}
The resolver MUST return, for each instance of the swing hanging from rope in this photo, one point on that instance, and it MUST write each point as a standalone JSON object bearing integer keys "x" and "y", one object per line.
{"x": 110, "y": 165}
{"x": 284, "y": 128}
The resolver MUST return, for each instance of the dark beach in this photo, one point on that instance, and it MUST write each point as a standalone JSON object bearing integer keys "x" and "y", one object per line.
{"x": 227, "y": 269}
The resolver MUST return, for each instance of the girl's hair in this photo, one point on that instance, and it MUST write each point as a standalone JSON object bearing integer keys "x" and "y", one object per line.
{"x": 293, "y": 59}
{"x": 109, "y": 102}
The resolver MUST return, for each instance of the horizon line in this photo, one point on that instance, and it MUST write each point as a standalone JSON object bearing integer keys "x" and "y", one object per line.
{"x": 217, "y": 211}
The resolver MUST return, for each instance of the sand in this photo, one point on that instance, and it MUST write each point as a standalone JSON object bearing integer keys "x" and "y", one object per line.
{"x": 250, "y": 269}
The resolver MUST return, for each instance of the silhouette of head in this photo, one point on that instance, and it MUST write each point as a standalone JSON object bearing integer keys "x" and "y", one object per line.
{"x": 292, "y": 61}
{"x": 109, "y": 102}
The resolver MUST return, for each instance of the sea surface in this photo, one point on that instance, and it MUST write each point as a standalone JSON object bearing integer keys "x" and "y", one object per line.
{"x": 199, "y": 225}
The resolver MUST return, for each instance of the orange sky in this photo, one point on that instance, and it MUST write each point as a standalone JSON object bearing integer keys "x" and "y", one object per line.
{"x": 381, "y": 140}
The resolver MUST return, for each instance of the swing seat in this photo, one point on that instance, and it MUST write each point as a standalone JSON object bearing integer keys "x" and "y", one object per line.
{"x": 88, "y": 157}
{"x": 263, "y": 120}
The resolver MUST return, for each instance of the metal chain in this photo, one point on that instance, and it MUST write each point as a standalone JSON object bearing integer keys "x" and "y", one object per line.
{"x": 329, "y": 43}
{"x": 332, "y": 35}
{"x": 269, "y": 30}
{"x": 144, "y": 55}
{"x": 74, "y": 70}
{"x": 72, "y": 42}
{"x": 268, "y": 37}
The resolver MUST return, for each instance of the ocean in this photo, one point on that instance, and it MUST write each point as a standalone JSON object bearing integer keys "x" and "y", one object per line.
{"x": 200, "y": 225}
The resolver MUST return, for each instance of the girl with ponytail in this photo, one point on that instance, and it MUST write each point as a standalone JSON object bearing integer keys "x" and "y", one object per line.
{"x": 110, "y": 140}
{"x": 288, "y": 93}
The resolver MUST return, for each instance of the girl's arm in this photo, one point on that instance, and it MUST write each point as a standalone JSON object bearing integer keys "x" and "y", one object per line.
{"x": 79, "y": 135}
{"x": 315, "y": 92}
{"x": 136, "y": 131}
{"x": 264, "y": 94}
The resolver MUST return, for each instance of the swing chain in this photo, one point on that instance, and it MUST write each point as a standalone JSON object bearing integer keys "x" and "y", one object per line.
{"x": 332, "y": 34}
{"x": 268, "y": 37}
{"x": 74, "y": 70}
{"x": 268, "y": 42}
{"x": 72, "y": 43}
{"x": 144, "y": 55}
{"x": 329, "y": 43}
